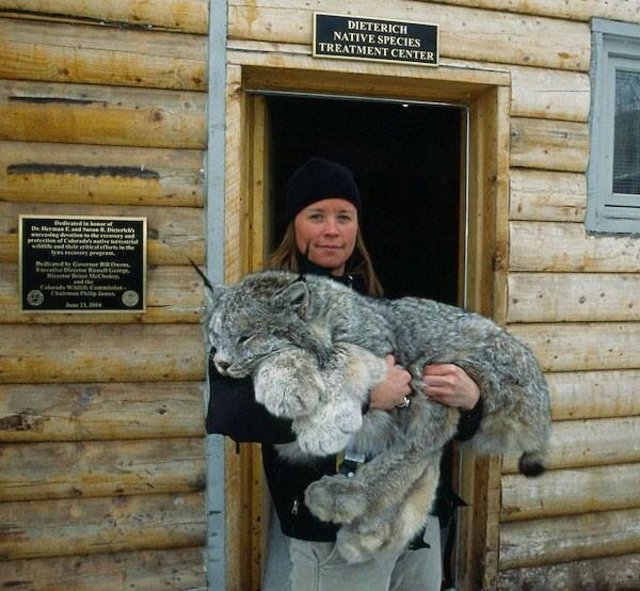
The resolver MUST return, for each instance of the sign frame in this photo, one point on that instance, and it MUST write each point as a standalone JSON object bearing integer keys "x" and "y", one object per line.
{"x": 381, "y": 21}
{"x": 135, "y": 308}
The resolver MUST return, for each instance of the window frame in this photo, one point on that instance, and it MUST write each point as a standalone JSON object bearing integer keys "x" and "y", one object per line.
{"x": 614, "y": 44}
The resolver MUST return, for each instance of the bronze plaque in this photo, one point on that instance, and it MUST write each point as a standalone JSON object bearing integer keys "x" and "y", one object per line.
{"x": 82, "y": 264}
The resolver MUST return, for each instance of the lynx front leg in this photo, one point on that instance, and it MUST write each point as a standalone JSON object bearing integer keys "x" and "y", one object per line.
{"x": 347, "y": 377}
{"x": 328, "y": 430}
{"x": 288, "y": 383}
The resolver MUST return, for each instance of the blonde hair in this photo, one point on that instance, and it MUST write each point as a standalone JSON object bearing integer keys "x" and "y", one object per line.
{"x": 286, "y": 255}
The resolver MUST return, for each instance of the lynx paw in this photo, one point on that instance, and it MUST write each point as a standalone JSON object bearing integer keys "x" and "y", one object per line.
{"x": 336, "y": 498}
{"x": 329, "y": 429}
{"x": 356, "y": 546}
{"x": 319, "y": 441}
{"x": 287, "y": 387}
{"x": 388, "y": 531}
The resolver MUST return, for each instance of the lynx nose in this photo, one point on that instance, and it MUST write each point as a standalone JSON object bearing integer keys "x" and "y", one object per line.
{"x": 222, "y": 366}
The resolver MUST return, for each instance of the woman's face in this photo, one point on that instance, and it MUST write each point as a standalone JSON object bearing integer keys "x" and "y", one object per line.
{"x": 326, "y": 231}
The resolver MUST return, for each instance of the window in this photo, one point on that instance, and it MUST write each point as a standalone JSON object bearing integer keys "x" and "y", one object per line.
{"x": 614, "y": 164}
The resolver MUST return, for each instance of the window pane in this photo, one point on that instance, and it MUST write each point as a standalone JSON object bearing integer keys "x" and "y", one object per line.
{"x": 626, "y": 151}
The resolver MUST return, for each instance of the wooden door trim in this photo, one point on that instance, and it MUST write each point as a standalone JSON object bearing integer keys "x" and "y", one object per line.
{"x": 487, "y": 95}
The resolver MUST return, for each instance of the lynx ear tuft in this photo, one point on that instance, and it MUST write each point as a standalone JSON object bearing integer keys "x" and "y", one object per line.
{"x": 294, "y": 296}
{"x": 204, "y": 278}
{"x": 215, "y": 291}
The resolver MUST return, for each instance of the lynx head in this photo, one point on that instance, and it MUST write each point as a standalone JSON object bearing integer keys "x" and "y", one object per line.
{"x": 266, "y": 312}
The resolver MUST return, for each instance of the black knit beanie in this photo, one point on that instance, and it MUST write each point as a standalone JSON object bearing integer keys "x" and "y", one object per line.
{"x": 319, "y": 179}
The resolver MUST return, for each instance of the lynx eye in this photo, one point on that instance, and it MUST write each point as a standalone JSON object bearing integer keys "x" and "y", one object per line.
{"x": 243, "y": 339}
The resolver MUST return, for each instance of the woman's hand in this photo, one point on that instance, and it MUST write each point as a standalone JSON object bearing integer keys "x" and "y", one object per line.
{"x": 392, "y": 391}
{"x": 450, "y": 385}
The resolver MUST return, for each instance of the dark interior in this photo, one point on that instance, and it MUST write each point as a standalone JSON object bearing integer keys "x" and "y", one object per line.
{"x": 406, "y": 160}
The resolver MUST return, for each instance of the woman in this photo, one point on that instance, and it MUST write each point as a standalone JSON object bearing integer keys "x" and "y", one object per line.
{"x": 322, "y": 209}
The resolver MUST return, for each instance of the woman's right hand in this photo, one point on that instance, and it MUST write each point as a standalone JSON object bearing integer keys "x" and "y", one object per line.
{"x": 391, "y": 392}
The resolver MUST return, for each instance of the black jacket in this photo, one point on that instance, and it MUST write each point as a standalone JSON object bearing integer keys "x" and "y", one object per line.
{"x": 234, "y": 412}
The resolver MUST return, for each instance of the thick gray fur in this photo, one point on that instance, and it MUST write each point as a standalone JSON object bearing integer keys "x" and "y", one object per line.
{"x": 315, "y": 348}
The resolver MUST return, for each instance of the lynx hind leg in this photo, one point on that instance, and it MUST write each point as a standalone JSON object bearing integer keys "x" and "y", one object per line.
{"x": 288, "y": 383}
{"x": 376, "y": 485}
{"x": 395, "y": 527}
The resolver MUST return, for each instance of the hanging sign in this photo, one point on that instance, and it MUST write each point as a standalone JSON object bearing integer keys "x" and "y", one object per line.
{"x": 82, "y": 264}
{"x": 356, "y": 37}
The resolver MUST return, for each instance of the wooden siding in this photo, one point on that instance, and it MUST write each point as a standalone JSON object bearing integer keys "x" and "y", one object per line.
{"x": 570, "y": 295}
{"x": 102, "y": 112}
{"x": 176, "y": 15}
{"x": 465, "y": 33}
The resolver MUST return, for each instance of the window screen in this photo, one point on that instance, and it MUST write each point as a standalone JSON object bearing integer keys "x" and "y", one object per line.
{"x": 626, "y": 142}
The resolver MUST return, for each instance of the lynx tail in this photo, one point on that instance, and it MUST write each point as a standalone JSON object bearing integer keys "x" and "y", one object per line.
{"x": 530, "y": 464}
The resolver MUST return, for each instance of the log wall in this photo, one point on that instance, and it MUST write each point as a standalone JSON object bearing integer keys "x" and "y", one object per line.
{"x": 572, "y": 296}
{"x": 102, "y": 464}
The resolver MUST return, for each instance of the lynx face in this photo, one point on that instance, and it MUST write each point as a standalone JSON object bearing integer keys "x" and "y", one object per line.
{"x": 241, "y": 342}
{"x": 249, "y": 323}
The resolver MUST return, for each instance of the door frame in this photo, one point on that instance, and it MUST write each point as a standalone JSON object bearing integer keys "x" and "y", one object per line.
{"x": 486, "y": 95}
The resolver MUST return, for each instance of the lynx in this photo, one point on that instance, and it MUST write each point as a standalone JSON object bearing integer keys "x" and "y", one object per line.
{"x": 315, "y": 348}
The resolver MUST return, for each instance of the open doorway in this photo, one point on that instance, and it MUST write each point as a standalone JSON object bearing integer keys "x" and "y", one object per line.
{"x": 409, "y": 161}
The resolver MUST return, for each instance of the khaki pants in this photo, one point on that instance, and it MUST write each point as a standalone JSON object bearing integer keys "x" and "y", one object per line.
{"x": 317, "y": 566}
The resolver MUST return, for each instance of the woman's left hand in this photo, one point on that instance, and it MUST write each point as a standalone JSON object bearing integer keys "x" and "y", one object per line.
{"x": 450, "y": 385}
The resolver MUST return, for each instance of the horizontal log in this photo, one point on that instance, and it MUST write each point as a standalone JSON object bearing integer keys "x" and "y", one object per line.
{"x": 39, "y": 529}
{"x": 540, "y": 195}
{"x": 465, "y": 33}
{"x": 573, "y": 297}
{"x": 617, "y": 572}
{"x": 593, "y": 442}
{"x": 549, "y": 94}
{"x": 561, "y": 539}
{"x": 594, "y": 394}
{"x": 567, "y": 248}
{"x": 180, "y": 15}
{"x": 549, "y": 145}
{"x": 103, "y": 115}
{"x": 181, "y": 568}
{"x": 582, "y": 11}
{"x": 53, "y": 52}
{"x": 174, "y": 295}
{"x": 173, "y": 234}
{"x": 99, "y": 411}
{"x": 104, "y": 175}
{"x": 40, "y": 471}
{"x": 100, "y": 353}
{"x": 570, "y": 492}
{"x": 579, "y": 347}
